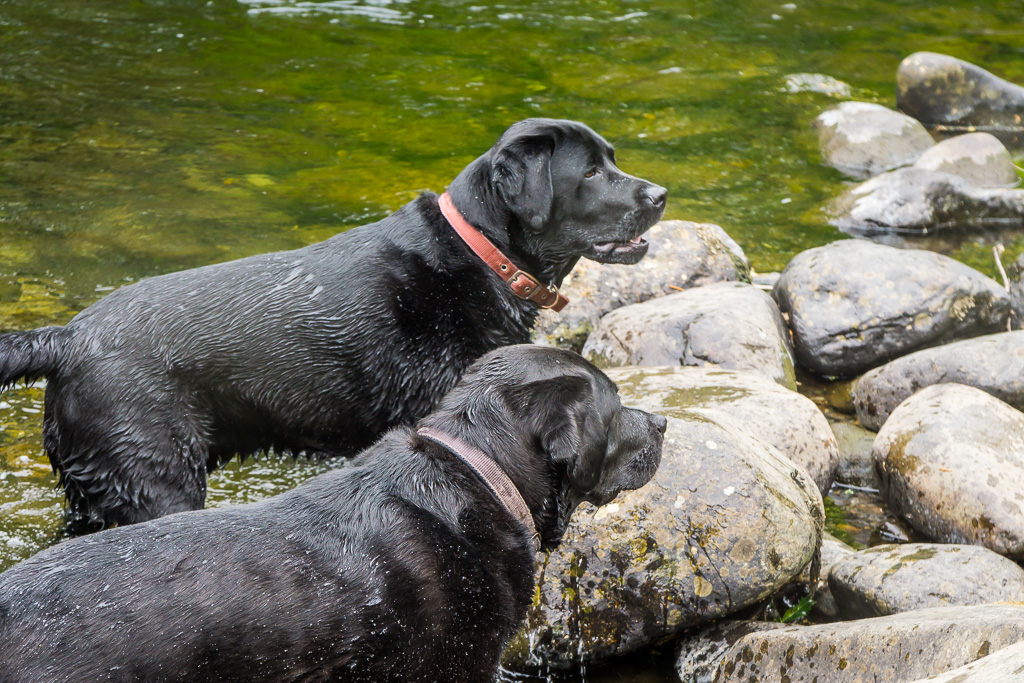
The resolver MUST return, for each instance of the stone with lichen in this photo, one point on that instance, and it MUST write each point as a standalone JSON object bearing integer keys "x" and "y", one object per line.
{"x": 951, "y": 462}
{"x": 853, "y": 305}
{"x": 725, "y": 522}
{"x": 730, "y": 325}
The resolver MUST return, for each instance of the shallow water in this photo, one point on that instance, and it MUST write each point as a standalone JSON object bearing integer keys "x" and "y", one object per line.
{"x": 140, "y": 138}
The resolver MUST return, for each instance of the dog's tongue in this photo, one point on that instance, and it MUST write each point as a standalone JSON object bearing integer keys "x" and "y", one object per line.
{"x": 608, "y": 247}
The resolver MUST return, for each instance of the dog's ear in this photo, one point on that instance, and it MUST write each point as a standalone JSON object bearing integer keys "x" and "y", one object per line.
{"x": 521, "y": 172}
{"x": 562, "y": 414}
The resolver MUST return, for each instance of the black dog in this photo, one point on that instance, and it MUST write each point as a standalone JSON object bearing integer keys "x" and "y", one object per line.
{"x": 405, "y": 567}
{"x": 321, "y": 349}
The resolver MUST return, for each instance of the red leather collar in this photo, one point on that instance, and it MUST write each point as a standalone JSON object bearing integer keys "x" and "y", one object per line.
{"x": 523, "y": 285}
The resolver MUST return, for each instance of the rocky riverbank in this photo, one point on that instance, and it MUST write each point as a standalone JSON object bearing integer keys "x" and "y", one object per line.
{"x": 916, "y": 378}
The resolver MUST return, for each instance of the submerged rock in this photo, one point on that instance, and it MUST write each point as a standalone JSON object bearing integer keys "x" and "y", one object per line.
{"x": 863, "y": 139}
{"x": 920, "y": 201}
{"x": 950, "y": 95}
{"x": 727, "y": 324}
{"x": 853, "y": 304}
{"x": 819, "y": 83}
{"x": 1004, "y": 666}
{"x": 993, "y": 363}
{"x": 951, "y": 462}
{"x": 681, "y": 255}
{"x": 978, "y": 158}
{"x": 889, "y": 649}
{"x": 782, "y": 418}
{"x": 725, "y": 523}
{"x": 888, "y": 579}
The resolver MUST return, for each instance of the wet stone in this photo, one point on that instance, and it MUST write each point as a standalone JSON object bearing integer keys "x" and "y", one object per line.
{"x": 890, "y": 649}
{"x": 725, "y": 522}
{"x": 1002, "y": 666}
{"x": 853, "y": 304}
{"x": 978, "y": 158}
{"x": 888, "y": 579}
{"x": 698, "y": 656}
{"x": 952, "y": 96}
{"x": 951, "y": 462}
{"x": 782, "y": 418}
{"x": 728, "y": 324}
{"x": 833, "y": 551}
{"x": 682, "y": 255}
{"x": 856, "y": 465}
{"x": 993, "y": 363}
{"x": 862, "y": 139}
{"x": 920, "y": 201}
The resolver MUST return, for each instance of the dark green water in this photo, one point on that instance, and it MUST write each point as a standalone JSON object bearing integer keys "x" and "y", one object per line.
{"x": 138, "y": 137}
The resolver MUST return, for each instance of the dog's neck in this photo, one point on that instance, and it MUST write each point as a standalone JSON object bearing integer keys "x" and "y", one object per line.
{"x": 480, "y": 203}
{"x": 522, "y": 463}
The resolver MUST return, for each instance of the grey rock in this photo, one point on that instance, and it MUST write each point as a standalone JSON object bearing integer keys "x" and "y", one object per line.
{"x": 727, "y": 324}
{"x": 993, "y": 363}
{"x": 1015, "y": 273}
{"x": 853, "y": 304}
{"x": 856, "y": 466}
{"x": 890, "y": 649}
{"x": 919, "y": 201}
{"x": 978, "y": 158}
{"x": 817, "y": 83}
{"x": 950, "y": 95}
{"x": 782, "y": 418}
{"x": 698, "y": 655}
{"x": 951, "y": 462}
{"x": 681, "y": 255}
{"x": 725, "y": 523}
{"x": 1005, "y": 666}
{"x": 862, "y": 139}
{"x": 887, "y": 579}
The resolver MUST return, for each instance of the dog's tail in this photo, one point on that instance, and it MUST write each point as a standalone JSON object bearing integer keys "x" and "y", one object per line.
{"x": 32, "y": 354}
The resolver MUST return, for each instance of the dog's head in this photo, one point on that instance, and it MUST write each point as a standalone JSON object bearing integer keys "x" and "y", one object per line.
{"x": 558, "y": 182}
{"x": 556, "y": 426}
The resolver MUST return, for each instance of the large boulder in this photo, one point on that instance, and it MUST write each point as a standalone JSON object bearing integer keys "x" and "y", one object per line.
{"x": 681, "y": 255}
{"x": 1004, "y": 666}
{"x": 725, "y": 522}
{"x": 890, "y": 649}
{"x": 951, "y": 462}
{"x": 730, "y": 325}
{"x": 862, "y": 139}
{"x": 950, "y": 95}
{"x": 782, "y": 418}
{"x": 993, "y": 363}
{"x": 887, "y": 579}
{"x": 854, "y": 304}
{"x": 920, "y": 201}
{"x": 978, "y": 158}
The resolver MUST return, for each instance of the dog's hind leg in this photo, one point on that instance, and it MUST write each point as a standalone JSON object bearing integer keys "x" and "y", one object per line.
{"x": 123, "y": 460}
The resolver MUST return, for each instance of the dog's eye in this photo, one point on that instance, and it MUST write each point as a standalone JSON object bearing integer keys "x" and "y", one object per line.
{"x": 591, "y": 173}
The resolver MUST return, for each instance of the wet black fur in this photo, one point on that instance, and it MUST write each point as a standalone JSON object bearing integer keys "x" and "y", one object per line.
{"x": 321, "y": 349}
{"x": 401, "y": 567}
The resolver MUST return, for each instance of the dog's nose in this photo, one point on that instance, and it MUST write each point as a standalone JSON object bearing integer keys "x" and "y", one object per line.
{"x": 656, "y": 195}
{"x": 659, "y": 422}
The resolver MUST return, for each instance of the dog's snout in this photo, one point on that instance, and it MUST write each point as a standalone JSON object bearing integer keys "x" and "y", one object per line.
{"x": 660, "y": 423}
{"x": 656, "y": 195}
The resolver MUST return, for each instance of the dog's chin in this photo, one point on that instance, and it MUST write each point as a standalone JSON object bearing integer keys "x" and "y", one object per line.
{"x": 628, "y": 253}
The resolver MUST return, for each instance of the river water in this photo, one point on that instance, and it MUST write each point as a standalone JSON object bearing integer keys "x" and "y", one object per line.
{"x": 138, "y": 138}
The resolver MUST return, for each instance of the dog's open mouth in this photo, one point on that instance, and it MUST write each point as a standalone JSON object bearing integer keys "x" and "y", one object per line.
{"x": 619, "y": 252}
